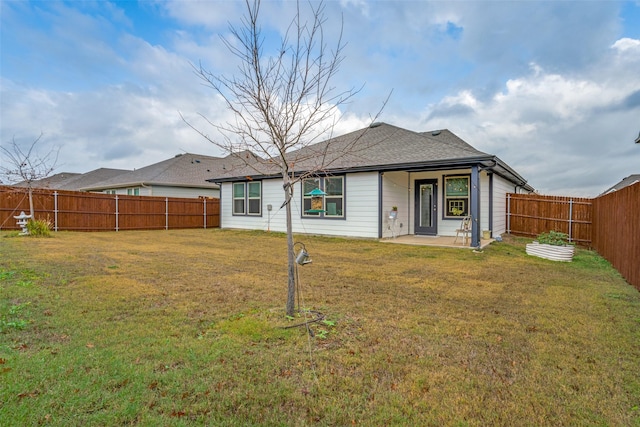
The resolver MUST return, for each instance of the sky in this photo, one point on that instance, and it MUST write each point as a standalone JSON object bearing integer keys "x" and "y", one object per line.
{"x": 550, "y": 87}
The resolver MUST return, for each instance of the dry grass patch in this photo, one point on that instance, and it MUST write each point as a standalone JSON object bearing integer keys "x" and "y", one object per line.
{"x": 185, "y": 327}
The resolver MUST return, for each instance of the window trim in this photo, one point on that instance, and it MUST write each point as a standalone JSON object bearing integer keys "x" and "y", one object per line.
{"x": 322, "y": 186}
{"x": 234, "y": 198}
{"x": 245, "y": 199}
{"x": 466, "y": 200}
{"x": 249, "y": 198}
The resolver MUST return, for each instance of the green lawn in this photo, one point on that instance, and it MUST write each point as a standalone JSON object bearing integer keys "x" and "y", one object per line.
{"x": 186, "y": 327}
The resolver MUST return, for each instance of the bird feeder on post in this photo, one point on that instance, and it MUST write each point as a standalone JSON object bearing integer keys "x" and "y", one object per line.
{"x": 317, "y": 200}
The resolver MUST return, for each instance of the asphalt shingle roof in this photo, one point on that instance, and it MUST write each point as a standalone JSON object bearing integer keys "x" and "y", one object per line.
{"x": 385, "y": 145}
{"x": 631, "y": 179}
{"x": 75, "y": 181}
{"x": 183, "y": 170}
{"x": 378, "y": 146}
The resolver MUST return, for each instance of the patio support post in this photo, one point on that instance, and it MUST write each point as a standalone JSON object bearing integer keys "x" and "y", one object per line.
{"x": 475, "y": 206}
{"x": 380, "y": 204}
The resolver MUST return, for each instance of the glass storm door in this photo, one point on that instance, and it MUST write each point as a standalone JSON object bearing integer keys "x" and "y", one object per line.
{"x": 426, "y": 207}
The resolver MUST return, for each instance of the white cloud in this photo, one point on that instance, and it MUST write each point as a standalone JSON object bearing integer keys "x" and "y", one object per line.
{"x": 561, "y": 131}
{"x": 625, "y": 44}
{"x": 550, "y": 87}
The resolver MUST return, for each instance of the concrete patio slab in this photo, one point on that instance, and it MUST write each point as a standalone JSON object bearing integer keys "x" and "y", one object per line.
{"x": 441, "y": 241}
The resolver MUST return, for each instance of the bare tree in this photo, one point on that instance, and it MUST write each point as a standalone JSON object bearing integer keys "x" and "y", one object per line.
{"x": 26, "y": 166}
{"x": 282, "y": 103}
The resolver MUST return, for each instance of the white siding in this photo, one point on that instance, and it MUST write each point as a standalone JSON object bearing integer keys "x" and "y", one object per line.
{"x": 169, "y": 191}
{"x": 188, "y": 192}
{"x": 362, "y": 206}
{"x": 250, "y": 222}
{"x": 143, "y": 191}
{"x": 500, "y": 189}
{"x": 484, "y": 201}
{"x": 361, "y": 210}
{"x": 396, "y": 192}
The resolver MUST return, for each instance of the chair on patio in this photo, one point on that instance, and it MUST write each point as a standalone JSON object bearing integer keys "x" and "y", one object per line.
{"x": 465, "y": 230}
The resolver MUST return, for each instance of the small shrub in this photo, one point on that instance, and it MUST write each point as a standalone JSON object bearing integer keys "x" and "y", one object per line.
{"x": 39, "y": 227}
{"x": 554, "y": 238}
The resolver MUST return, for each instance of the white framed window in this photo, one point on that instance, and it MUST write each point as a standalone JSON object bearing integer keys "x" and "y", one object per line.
{"x": 247, "y": 198}
{"x": 238, "y": 198}
{"x": 254, "y": 198}
{"x": 308, "y": 185}
{"x": 133, "y": 191}
{"x": 332, "y": 204}
{"x": 456, "y": 196}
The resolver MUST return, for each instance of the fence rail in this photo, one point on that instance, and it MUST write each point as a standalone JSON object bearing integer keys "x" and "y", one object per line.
{"x": 610, "y": 224}
{"x": 81, "y": 211}
{"x": 531, "y": 214}
{"x": 616, "y": 231}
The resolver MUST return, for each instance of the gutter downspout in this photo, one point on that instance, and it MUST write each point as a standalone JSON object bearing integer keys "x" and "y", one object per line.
{"x": 409, "y": 213}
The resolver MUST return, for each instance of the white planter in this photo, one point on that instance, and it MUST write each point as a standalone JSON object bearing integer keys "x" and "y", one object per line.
{"x": 554, "y": 253}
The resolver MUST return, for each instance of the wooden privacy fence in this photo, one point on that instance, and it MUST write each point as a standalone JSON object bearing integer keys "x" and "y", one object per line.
{"x": 531, "y": 214}
{"x": 80, "y": 211}
{"x": 610, "y": 224}
{"x": 616, "y": 231}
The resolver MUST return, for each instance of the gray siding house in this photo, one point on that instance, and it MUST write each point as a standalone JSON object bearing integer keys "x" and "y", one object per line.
{"x": 74, "y": 181}
{"x": 433, "y": 179}
{"x": 181, "y": 176}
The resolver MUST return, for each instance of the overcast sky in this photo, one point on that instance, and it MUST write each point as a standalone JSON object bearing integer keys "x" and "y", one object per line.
{"x": 552, "y": 88}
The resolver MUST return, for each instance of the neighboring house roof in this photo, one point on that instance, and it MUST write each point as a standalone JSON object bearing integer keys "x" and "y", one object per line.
{"x": 75, "y": 181}
{"x": 183, "y": 170}
{"x": 381, "y": 147}
{"x": 631, "y": 179}
{"x": 53, "y": 181}
{"x": 90, "y": 178}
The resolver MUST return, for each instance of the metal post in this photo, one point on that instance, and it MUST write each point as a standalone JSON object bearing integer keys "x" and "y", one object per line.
{"x": 508, "y": 213}
{"x": 204, "y": 201}
{"x": 116, "y": 212}
{"x": 55, "y": 211}
{"x": 166, "y": 213}
{"x": 570, "y": 217}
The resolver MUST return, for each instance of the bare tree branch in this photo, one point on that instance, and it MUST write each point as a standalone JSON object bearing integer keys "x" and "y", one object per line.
{"x": 25, "y": 166}
{"x": 282, "y": 103}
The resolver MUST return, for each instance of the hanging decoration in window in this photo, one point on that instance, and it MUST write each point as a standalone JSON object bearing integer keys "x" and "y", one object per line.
{"x": 317, "y": 200}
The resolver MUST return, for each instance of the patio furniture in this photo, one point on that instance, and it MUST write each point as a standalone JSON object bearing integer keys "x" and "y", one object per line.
{"x": 465, "y": 230}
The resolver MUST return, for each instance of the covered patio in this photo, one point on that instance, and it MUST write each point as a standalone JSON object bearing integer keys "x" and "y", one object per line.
{"x": 440, "y": 241}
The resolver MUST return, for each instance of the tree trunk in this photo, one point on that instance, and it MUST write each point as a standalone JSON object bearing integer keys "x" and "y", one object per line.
{"x": 31, "y": 202}
{"x": 291, "y": 285}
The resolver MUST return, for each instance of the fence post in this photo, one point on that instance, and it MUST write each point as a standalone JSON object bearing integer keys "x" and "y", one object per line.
{"x": 204, "y": 201}
{"x": 570, "y": 217}
{"x": 55, "y": 211}
{"x": 166, "y": 213}
{"x": 116, "y": 212}
{"x": 508, "y": 213}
